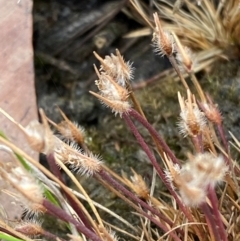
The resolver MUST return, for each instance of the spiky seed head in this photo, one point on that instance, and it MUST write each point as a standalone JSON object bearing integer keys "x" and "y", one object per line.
{"x": 171, "y": 174}
{"x": 115, "y": 67}
{"x": 194, "y": 178}
{"x": 183, "y": 56}
{"x": 35, "y": 135}
{"x": 40, "y": 136}
{"x": 162, "y": 40}
{"x": 192, "y": 120}
{"x": 211, "y": 111}
{"x": 107, "y": 234}
{"x": 88, "y": 165}
{"x": 192, "y": 196}
{"x": 110, "y": 89}
{"x": 138, "y": 185}
{"x": 28, "y": 192}
{"x": 186, "y": 59}
{"x": 71, "y": 130}
{"x": 117, "y": 106}
{"x": 84, "y": 163}
{"x": 111, "y": 93}
{"x": 211, "y": 168}
{"x": 31, "y": 228}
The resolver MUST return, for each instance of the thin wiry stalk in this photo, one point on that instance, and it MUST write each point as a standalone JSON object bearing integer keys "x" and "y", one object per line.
{"x": 175, "y": 66}
{"x": 118, "y": 186}
{"x": 56, "y": 171}
{"x": 155, "y": 134}
{"x": 118, "y": 193}
{"x": 198, "y": 144}
{"x": 197, "y": 86}
{"x": 210, "y": 220}
{"x": 53, "y": 167}
{"x": 133, "y": 197}
{"x": 223, "y": 138}
{"x": 6, "y": 228}
{"x": 103, "y": 208}
{"x": 40, "y": 167}
{"x": 54, "y": 210}
{"x": 52, "y": 236}
{"x": 156, "y": 166}
{"x": 214, "y": 202}
{"x": 73, "y": 178}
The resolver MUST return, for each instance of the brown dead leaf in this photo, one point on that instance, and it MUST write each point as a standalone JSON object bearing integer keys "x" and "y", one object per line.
{"x": 17, "y": 91}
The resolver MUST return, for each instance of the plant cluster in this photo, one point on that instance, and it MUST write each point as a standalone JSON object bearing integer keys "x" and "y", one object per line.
{"x": 202, "y": 191}
{"x": 209, "y": 28}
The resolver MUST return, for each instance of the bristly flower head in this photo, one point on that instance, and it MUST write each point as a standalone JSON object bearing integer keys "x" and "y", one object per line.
{"x": 28, "y": 192}
{"x": 162, "y": 40}
{"x": 70, "y": 131}
{"x": 194, "y": 178}
{"x": 192, "y": 120}
{"x": 31, "y": 228}
{"x": 211, "y": 111}
{"x": 186, "y": 59}
{"x": 83, "y": 163}
{"x": 138, "y": 185}
{"x": 112, "y": 92}
{"x": 116, "y": 67}
{"x": 108, "y": 234}
{"x": 40, "y": 136}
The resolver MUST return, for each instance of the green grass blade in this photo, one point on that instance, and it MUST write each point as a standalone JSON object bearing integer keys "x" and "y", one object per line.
{"x": 7, "y": 237}
{"x": 22, "y": 161}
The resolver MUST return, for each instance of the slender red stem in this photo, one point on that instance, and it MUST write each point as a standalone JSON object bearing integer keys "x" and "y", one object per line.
{"x": 214, "y": 201}
{"x": 154, "y": 133}
{"x": 61, "y": 214}
{"x": 156, "y": 166}
{"x": 56, "y": 171}
{"x": 105, "y": 176}
{"x": 210, "y": 220}
{"x": 197, "y": 142}
{"x": 52, "y": 236}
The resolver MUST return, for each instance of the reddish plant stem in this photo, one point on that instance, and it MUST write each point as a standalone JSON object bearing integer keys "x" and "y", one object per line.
{"x": 155, "y": 134}
{"x": 79, "y": 212}
{"x": 223, "y": 137}
{"x": 105, "y": 176}
{"x": 197, "y": 142}
{"x": 227, "y": 159}
{"x": 56, "y": 171}
{"x": 210, "y": 221}
{"x": 224, "y": 141}
{"x": 53, "y": 167}
{"x": 158, "y": 169}
{"x": 133, "y": 197}
{"x": 213, "y": 198}
{"x": 156, "y": 166}
{"x": 61, "y": 214}
{"x": 52, "y": 236}
{"x": 214, "y": 201}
